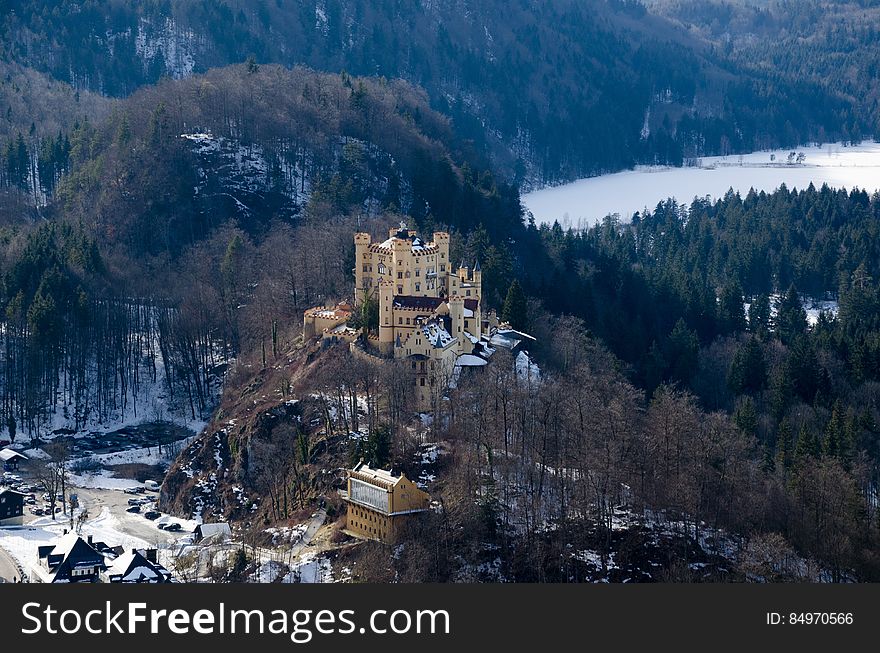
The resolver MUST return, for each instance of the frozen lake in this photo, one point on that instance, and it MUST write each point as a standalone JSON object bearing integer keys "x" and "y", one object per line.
{"x": 584, "y": 202}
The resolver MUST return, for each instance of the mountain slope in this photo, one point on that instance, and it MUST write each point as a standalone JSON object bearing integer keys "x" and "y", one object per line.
{"x": 552, "y": 90}
{"x": 256, "y": 144}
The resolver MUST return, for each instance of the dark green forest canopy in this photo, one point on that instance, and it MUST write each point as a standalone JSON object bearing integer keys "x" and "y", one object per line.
{"x": 641, "y": 287}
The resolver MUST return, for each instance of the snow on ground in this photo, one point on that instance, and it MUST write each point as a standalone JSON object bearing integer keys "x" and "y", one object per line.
{"x": 526, "y": 368}
{"x": 145, "y": 455}
{"x": 22, "y": 542}
{"x": 102, "y": 480}
{"x": 585, "y": 202}
{"x": 311, "y": 568}
{"x": 813, "y": 307}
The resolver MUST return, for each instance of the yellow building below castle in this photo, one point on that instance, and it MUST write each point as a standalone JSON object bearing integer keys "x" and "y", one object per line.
{"x": 380, "y": 503}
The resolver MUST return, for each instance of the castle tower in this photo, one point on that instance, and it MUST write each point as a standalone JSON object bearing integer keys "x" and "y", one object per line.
{"x": 361, "y": 260}
{"x": 456, "y": 314}
{"x": 477, "y": 281}
{"x": 386, "y": 316}
{"x": 402, "y": 266}
{"x": 444, "y": 267}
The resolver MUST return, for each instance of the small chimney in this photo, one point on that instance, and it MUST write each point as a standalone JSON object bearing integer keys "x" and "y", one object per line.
{"x": 90, "y": 539}
{"x": 65, "y": 531}
{"x": 151, "y": 555}
{"x": 133, "y": 551}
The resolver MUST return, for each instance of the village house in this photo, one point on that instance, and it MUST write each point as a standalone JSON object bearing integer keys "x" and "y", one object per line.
{"x": 380, "y": 502}
{"x": 11, "y": 507}
{"x": 212, "y": 533}
{"x": 71, "y": 559}
{"x": 137, "y": 566}
{"x": 10, "y": 459}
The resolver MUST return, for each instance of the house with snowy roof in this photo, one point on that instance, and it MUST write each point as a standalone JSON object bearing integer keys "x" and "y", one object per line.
{"x": 71, "y": 559}
{"x": 10, "y": 459}
{"x": 380, "y": 502}
{"x": 137, "y": 566}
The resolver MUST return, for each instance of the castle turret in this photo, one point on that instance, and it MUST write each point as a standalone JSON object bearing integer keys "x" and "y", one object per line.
{"x": 386, "y": 316}
{"x": 444, "y": 265}
{"x": 362, "y": 264}
{"x": 456, "y": 314}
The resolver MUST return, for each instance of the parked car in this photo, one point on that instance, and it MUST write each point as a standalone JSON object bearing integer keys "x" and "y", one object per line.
{"x": 134, "y": 508}
{"x": 174, "y": 526}
{"x": 152, "y": 514}
{"x": 134, "y": 502}
{"x": 36, "y": 511}
{"x": 130, "y": 490}
{"x": 151, "y": 485}
{"x": 162, "y": 526}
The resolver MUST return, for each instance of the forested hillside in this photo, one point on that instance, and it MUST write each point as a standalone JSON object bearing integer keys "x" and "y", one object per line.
{"x": 140, "y": 286}
{"x": 830, "y": 43}
{"x": 551, "y": 91}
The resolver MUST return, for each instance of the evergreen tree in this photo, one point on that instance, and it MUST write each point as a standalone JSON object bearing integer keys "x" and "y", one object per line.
{"x": 748, "y": 371}
{"x": 791, "y": 318}
{"x": 759, "y": 316}
{"x": 515, "y": 308}
{"x": 681, "y": 354}
{"x": 378, "y": 449}
{"x": 731, "y": 312}
{"x": 746, "y": 417}
{"x": 807, "y": 445}
{"x": 783, "y": 445}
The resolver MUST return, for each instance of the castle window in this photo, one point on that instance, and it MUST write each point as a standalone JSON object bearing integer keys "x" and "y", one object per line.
{"x": 418, "y": 287}
{"x": 443, "y": 267}
{"x": 418, "y": 272}
{"x": 399, "y": 274}
{"x": 382, "y": 268}
{"x": 365, "y": 267}
{"x": 407, "y": 320}
{"x": 399, "y": 290}
{"x": 422, "y": 381}
{"x": 467, "y": 293}
{"x": 400, "y": 320}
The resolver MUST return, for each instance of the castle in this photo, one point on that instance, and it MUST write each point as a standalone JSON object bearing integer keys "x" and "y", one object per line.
{"x": 431, "y": 313}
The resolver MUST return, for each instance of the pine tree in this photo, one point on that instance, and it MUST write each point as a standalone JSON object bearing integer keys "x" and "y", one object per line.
{"x": 783, "y": 445}
{"x": 731, "y": 313}
{"x": 746, "y": 417}
{"x": 791, "y": 318}
{"x": 759, "y": 316}
{"x": 748, "y": 371}
{"x": 807, "y": 445}
{"x": 515, "y": 308}
{"x": 831, "y": 443}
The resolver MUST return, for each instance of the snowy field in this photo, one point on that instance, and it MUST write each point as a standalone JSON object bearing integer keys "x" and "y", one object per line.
{"x": 585, "y": 202}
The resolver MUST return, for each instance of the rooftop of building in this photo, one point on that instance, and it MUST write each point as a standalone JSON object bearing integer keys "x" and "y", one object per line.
{"x": 380, "y": 477}
{"x": 417, "y": 302}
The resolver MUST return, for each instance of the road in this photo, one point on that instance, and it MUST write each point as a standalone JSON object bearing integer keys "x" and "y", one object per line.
{"x": 8, "y": 568}
{"x": 136, "y": 524}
